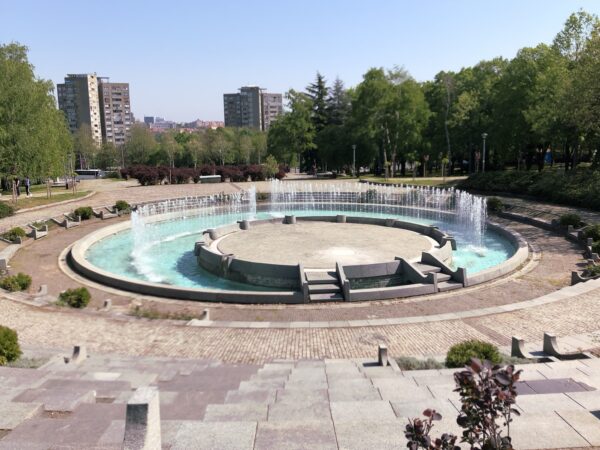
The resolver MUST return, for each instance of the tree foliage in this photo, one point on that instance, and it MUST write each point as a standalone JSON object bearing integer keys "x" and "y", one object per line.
{"x": 34, "y": 138}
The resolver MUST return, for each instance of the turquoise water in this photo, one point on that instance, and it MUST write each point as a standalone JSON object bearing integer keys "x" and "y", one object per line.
{"x": 167, "y": 252}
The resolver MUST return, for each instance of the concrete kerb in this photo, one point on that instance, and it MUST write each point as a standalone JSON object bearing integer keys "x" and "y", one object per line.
{"x": 65, "y": 202}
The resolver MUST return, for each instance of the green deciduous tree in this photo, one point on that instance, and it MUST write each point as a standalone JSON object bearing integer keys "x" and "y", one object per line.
{"x": 34, "y": 138}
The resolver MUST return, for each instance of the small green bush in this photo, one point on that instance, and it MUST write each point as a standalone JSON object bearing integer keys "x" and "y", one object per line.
{"x": 494, "y": 204}
{"x": 75, "y": 298}
{"x": 592, "y": 271}
{"x": 410, "y": 363}
{"x": 9, "y": 345}
{"x": 19, "y": 282}
{"x": 593, "y": 231}
{"x": 14, "y": 233}
{"x": 570, "y": 219}
{"x": 460, "y": 354}
{"x": 596, "y": 247}
{"x": 85, "y": 212}
{"x": 122, "y": 205}
{"x": 6, "y": 210}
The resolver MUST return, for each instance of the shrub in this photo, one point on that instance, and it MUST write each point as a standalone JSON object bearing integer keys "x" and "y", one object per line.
{"x": 591, "y": 271}
{"x": 6, "y": 210}
{"x": 596, "y": 247}
{"x": 122, "y": 205}
{"x": 84, "y": 212}
{"x": 14, "y": 233}
{"x": 593, "y": 231}
{"x": 19, "y": 282}
{"x": 280, "y": 175}
{"x": 461, "y": 354}
{"x": 112, "y": 174}
{"x": 75, "y": 298}
{"x": 570, "y": 219}
{"x": 494, "y": 204}
{"x": 9, "y": 345}
{"x": 410, "y": 363}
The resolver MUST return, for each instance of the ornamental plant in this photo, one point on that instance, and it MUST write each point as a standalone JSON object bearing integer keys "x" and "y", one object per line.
{"x": 14, "y": 233}
{"x": 570, "y": 219}
{"x": 75, "y": 298}
{"x": 488, "y": 395}
{"x": 122, "y": 205}
{"x": 6, "y": 210}
{"x": 19, "y": 282}
{"x": 494, "y": 204}
{"x": 461, "y": 354}
{"x": 593, "y": 231}
{"x": 9, "y": 345}
{"x": 417, "y": 432}
{"x": 84, "y": 212}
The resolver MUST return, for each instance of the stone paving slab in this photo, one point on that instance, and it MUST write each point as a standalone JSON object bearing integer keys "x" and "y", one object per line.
{"x": 292, "y": 395}
{"x": 364, "y": 410}
{"x": 238, "y": 435}
{"x": 64, "y": 400}
{"x": 266, "y": 396}
{"x": 540, "y": 403}
{"x": 299, "y": 411}
{"x": 549, "y": 432}
{"x": 354, "y": 393}
{"x": 587, "y": 424}
{"x": 13, "y": 413}
{"x": 236, "y": 412}
{"x": 295, "y": 435}
{"x": 370, "y": 434}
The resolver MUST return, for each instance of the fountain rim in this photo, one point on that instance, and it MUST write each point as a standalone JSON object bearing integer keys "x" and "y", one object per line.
{"x": 78, "y": 260}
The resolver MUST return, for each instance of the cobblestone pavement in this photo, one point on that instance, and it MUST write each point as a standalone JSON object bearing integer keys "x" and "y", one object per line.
{"x": 45, "y": 328}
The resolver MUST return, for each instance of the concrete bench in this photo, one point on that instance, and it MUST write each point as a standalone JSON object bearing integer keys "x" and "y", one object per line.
{"x": 209, "y": 179}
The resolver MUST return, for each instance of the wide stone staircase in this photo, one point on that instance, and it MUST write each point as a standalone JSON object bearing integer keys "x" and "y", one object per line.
{"x": 306, "y": 404}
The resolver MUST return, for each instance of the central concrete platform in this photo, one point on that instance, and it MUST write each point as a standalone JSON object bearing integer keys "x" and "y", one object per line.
{"x": 319, "y": 245}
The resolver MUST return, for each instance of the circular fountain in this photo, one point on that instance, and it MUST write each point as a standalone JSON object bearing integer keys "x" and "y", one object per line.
{"x": 371, "y": 241}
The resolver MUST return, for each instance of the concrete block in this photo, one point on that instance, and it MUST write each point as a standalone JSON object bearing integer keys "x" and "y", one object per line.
{"x": 142, "y": 421}
{"x": 215, "y": 435}
{"x": 361, "y": 410}
{"x": 382, "y": 351}
{"x": 296, "y": 435}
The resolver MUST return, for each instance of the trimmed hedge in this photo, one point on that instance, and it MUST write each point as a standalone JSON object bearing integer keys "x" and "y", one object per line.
{"x": 75, "y": 298}
{"x": 153, "y": 175}
{"x": 579, "y": 187}
{"x": 461, "y": 354}
{"x": 9, "y": 345}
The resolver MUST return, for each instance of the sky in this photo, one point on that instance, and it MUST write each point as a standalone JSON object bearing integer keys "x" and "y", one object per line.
{"x": 180, "y": 57}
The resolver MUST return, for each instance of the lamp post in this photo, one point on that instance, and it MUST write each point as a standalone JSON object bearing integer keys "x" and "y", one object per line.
{"x": 353, "y": 160}
{"x": 483, "y": 135}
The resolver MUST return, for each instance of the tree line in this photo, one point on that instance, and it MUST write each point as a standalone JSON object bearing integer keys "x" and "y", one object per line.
{"x": 537, "y": 108}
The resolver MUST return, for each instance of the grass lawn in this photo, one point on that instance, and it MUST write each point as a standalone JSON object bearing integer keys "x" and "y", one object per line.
{"x": 438, "y": 182}
{"x": 32, "y": 202}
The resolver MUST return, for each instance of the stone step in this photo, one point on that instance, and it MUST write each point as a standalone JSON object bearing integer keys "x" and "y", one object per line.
{"x": 426, "y": 268}
{"x": 236, "y": 412}
{"x": 330, "y": 297}
{"x": 321, "y": 277}
{"x": 323, "y": 288}
{"x": 449, "y": 286}
{"x": 442, "y": 277}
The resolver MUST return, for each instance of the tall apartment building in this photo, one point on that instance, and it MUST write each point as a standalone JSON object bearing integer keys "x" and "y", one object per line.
{"x": 78, "y": 98}
{"x": 116, "y": 114}
{"x": 251, "y": 107}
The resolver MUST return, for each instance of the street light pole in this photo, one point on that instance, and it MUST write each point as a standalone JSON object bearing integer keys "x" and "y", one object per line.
{"x": 354, "y": 160}
{"x": 484, "y": 135}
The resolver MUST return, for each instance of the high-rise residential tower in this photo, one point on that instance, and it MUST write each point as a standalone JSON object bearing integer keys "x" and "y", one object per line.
{"x": 251, "y": 108}
{"x": 116, "y": 116}
{"x": 78, "y": 98}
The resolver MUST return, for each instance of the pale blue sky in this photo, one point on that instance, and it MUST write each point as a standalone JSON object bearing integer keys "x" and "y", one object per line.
{"x": 181, "y": 56}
